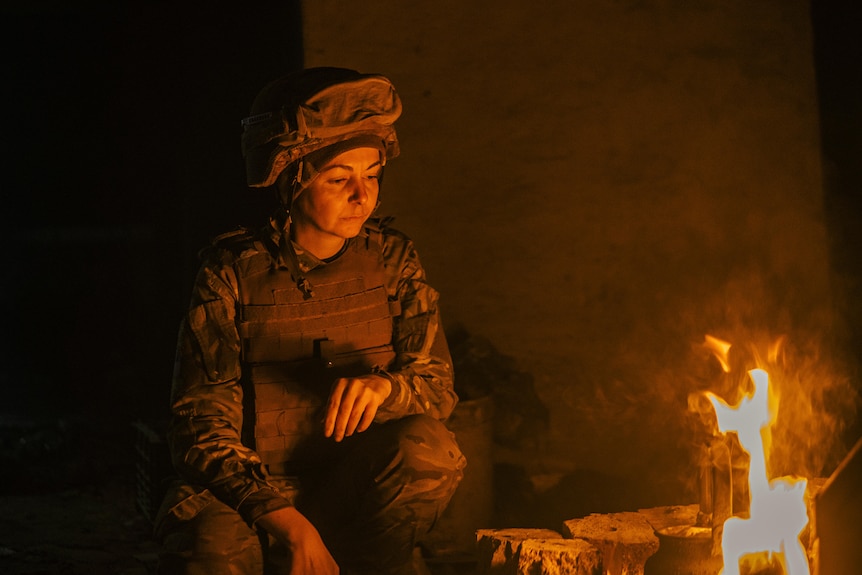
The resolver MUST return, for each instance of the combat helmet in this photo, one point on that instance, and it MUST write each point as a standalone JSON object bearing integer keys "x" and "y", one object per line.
{"x": 314, "y": 109}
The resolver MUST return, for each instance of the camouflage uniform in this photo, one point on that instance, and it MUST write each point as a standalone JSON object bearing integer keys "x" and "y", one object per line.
{"x": 371, "y": 496}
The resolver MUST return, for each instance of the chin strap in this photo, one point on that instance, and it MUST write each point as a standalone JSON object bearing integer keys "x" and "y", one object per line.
{"x": 288, "y": 254}
{"x": 281, "y": 220}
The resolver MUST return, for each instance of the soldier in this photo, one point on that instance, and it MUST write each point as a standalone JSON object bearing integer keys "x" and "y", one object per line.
{"x": 312, "y": 374}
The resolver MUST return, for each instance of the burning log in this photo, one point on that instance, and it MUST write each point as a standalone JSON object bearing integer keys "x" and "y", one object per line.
{"x": 777, "y": 513}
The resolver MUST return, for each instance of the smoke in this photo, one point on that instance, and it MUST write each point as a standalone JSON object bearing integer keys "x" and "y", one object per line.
{"x": 651, "y": 395}
{"x": 772, "y": 325}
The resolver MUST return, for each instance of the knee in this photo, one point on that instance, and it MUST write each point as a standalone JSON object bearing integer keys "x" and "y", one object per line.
{"x": 199, "y": 534}
{"x": 426, "y": 447}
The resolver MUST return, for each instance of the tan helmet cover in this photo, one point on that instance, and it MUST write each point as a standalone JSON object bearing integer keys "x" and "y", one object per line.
{"x": 318, "y": 107}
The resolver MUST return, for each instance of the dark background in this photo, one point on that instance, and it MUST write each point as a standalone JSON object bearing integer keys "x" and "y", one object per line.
{"x": 121, "y": 158}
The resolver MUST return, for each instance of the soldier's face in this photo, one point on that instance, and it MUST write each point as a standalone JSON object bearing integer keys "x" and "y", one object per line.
{"x": 341, "y": 198}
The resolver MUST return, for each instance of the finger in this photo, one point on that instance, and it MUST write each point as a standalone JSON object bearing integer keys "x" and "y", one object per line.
{"x": 332, "y": 407}
{"x": 357, "y": 415}
{"x": 367, "y": 417}
{"x": 345, "y": 409}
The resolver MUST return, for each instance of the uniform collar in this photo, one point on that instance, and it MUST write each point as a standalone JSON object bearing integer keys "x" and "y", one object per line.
{"x": 279, "y": 231}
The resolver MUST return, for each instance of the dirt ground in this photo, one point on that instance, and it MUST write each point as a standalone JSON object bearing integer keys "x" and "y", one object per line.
{"x": 73, "y": 532}
{"x": 68, "y": 499}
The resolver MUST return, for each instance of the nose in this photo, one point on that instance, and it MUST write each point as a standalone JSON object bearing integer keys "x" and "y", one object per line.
{"x": 359, "y": 192}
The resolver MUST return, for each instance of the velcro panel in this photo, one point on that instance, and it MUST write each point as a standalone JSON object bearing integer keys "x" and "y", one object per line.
{"x": 287, "y": 395}
{"x": 300, "y": 345}
{"x": 314, "y": 315}
{"x": 322, "y": 291}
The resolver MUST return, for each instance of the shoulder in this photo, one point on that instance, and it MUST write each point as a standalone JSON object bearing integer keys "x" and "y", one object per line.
{"x": 237, "y": 241}
{"x": 381, "y": 230}
{"x": 400, "y": 257}
{"x": 237, "y": 254}
{"x": 233, "y": 246}
{"x": 227, "y": 259}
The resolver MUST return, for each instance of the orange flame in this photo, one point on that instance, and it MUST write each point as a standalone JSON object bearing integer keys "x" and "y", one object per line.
{"x": 777, "y": 511}
{"x": 720, "y": 349}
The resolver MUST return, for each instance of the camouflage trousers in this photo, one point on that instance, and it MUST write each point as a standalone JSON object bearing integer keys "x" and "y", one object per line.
{"x": 384, "y": 492}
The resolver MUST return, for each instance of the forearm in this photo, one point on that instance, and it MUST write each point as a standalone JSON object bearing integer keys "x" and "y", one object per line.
{"x": 422, "y": 380}
{"x": 419, "y": 390}
{"x": 205, "y": 436}
{"x": 206, "y": 452}
{"x": 422, "y": 376}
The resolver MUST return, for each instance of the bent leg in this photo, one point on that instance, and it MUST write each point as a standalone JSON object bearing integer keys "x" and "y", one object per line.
{"x": 387, "y": 491}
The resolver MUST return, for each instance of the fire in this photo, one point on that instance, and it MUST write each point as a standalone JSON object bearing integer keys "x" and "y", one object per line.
{"x": 777, "y": 510}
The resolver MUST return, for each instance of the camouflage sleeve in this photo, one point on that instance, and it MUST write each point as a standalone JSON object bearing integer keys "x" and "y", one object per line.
{"x": 421, "y": 375}
{"x": 206, "y": 401}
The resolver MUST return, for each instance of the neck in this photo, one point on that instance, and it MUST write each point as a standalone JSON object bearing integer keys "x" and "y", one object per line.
{"x": 321, "y": 246}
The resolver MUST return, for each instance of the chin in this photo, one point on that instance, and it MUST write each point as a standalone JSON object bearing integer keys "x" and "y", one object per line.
{"x": 351, "y": 229}
{"x": 347, "y": 232}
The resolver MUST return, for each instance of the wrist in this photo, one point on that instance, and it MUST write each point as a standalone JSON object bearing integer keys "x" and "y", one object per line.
{"x": 386, "y": 382}
{"x": 286, "y": 523}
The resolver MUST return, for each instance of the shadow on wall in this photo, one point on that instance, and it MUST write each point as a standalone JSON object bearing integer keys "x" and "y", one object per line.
{"x": 521, "y": 420}
{"x": 523, "y": 495}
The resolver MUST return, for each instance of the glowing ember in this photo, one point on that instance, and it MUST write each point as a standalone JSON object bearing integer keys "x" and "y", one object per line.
{"x": 777, "y": 512}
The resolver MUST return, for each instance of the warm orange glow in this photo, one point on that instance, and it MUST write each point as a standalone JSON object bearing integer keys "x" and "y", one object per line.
{"x": 777, "y": 512}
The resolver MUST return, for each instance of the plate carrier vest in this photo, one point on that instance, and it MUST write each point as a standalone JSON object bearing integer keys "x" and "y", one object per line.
{"x": 294, "y": 348}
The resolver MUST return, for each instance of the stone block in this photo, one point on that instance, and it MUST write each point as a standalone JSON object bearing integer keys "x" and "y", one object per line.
{"x": 671, "y": 515}
{"x": 497, "y": 550}
{"x": 625, "y": 540}
{"x": 558, "y": 557}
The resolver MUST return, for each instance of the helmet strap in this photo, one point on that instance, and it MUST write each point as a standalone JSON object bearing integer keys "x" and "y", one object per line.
{"x": 283, "y": 220}
{"x": 288, "y": 185}
{"x": 288, "y": 254}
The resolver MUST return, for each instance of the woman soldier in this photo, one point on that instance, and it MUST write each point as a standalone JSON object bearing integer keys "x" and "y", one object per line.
{"x": 312, "y": 374}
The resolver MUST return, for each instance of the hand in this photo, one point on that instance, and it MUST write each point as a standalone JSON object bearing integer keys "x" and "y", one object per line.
{"x": 309, "y": 555}
{"x": 353, "y": 403}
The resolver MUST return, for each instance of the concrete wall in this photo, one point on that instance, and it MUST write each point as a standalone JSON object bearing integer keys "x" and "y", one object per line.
{"x": 594, "y": 186}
